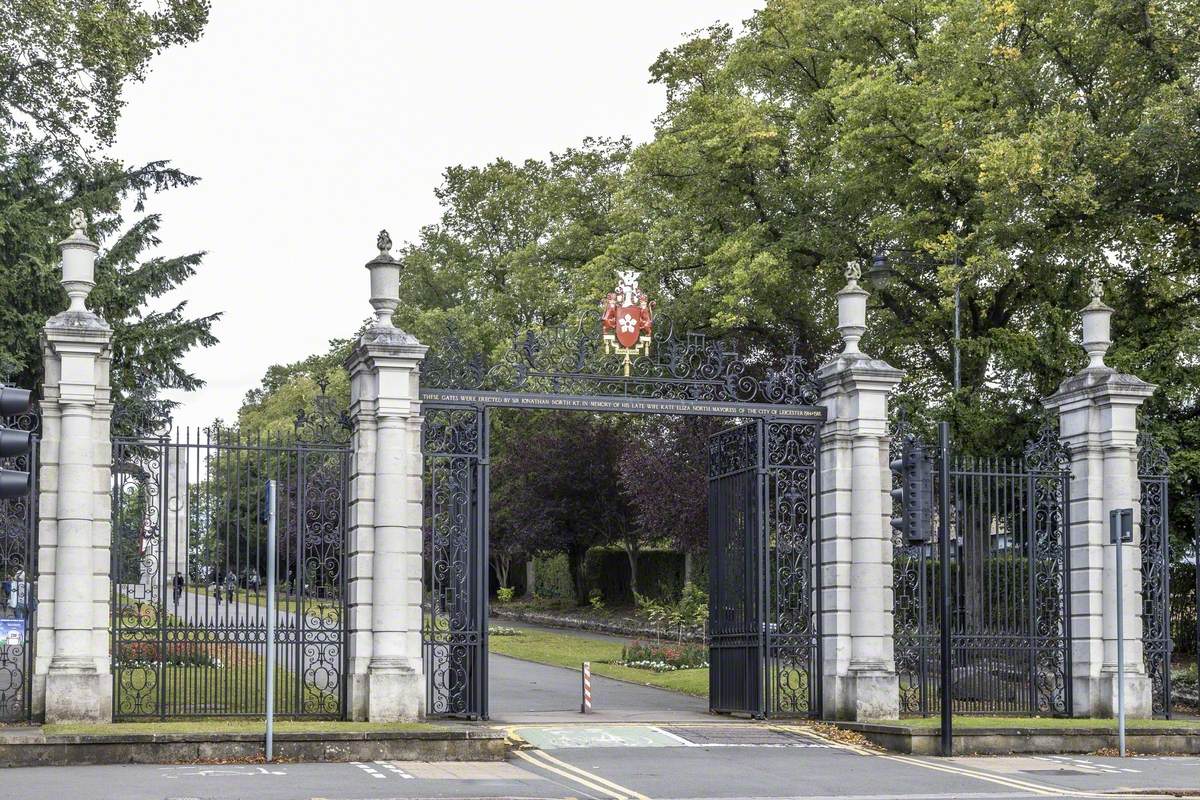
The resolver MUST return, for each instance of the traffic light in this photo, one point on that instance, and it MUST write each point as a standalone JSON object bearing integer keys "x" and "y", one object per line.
{"x": 912, "y": 500}
{"x": 14, "y": 443}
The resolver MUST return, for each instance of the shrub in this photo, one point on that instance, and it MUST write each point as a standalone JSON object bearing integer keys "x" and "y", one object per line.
{"x": 505, "y": 594}
{"x": 553, "y": 577}
{"x": 596, "y": 599}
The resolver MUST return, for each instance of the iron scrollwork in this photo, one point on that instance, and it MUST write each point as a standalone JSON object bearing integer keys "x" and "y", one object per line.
{"x": 571, "y": 359}
{"x": 1153, "y": 475}
{"x": 453, "y": 637}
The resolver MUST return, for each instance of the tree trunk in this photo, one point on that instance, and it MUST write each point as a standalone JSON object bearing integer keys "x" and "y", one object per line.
{"x": 575, "y": 557}
{"x": 687, "y": 567}
{"x": 633, "y": 551}
{"x": 502, "y": 564}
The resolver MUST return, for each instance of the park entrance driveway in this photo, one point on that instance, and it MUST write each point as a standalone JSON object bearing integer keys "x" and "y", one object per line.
{"x": 525, "y": 692}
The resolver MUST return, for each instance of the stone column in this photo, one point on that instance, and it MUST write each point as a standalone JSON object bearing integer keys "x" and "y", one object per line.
{"x": 72, "y": 681}
{"x": 1097, "y": 411}
{"x": 387, "y": 675}
{"x": 859, "y": 670}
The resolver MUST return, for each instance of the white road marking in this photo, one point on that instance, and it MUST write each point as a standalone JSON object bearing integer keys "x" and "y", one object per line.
{"x": 367, "y": 769}
{"x": 1086, "y": 765}
{"x": 394, "y": 767}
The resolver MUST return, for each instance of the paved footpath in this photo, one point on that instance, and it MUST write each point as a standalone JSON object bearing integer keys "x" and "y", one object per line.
{"x": 632, "y": 762}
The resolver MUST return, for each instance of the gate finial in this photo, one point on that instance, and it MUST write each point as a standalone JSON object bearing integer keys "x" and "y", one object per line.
{"x": 1097, "y": 319}
{"x": 385, "y": 282}
{"x": 852, "y": 310}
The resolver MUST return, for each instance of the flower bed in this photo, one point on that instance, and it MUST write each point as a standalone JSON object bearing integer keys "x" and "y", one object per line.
{"x": 664, "y": 656}
{"x": 144, "y": 654}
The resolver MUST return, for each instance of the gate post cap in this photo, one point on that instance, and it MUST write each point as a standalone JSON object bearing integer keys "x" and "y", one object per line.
{"x": 852, "y": 310}
{"x": 1097, "y": 326}
{"x": 385, "y": 282}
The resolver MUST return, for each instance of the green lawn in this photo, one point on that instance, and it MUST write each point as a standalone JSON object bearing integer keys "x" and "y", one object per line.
{"x": 565, "y": 650}
{"x": 235, "y": 726}
{"x": 967, "y": 722}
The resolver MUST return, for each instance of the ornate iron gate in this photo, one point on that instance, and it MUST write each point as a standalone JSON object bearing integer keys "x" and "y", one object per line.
{"x": 576, "y": 368}
{"x": 1153, "y": 470}
{"x": 454, "y": 441}
{"x": 18, "y": 570}
{"x": 794, "y": 590}
{"x": 189, "y": 568}
{"x": 764, "y": 647}
{"x": 737, "y": 570}
{"x": 1010, "y": 602}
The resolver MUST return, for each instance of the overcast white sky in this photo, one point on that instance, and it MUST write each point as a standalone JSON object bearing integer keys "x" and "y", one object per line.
{"x": 315, "y": 124}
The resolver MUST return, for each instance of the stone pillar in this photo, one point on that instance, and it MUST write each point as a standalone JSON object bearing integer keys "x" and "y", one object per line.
{"x": 859, "y": 670}
{"x": 387, "y": 681}
{"x": 72, "y": 680}
{"x": 1097, "y": 411}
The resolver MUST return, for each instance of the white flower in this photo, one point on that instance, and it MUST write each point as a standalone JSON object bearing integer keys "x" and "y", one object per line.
{"x": 628, "y": 324}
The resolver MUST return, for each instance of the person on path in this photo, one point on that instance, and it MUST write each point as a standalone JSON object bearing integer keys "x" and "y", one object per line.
{"x": 177, "y": 588}
{"x": 231, "y": 583}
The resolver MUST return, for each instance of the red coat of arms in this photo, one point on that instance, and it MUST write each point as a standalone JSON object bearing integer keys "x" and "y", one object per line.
{"x": 628, "y": 318}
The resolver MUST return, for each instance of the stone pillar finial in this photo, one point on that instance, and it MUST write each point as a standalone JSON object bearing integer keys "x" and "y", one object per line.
{"x": 852, "y": 310}
{"x": 385, "y": 282}
{"x": 1097, "y": 327}
{"x": 78, "y": 263}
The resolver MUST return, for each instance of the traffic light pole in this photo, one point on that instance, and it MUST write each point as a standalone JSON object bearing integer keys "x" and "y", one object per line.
{"x": 14, "y": 443}
{"x": 947, "y": 691}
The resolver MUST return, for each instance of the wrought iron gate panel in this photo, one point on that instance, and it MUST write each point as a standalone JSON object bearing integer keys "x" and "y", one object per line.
{"x": 1010, "y": 569}
{"x": 18, "y": 570}
{"x": 189, "y": 564}
{"x": 793, "y": 643}
{"x": 454, "y": 444}
{"x": 737, "y": 559}
{"x": 1153, "y": 471}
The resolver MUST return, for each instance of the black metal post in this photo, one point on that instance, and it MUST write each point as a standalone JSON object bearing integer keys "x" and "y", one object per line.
{"x": 1196, "y": 548}
{"x": 944, "y": 557}
{"x": 957, "y": 335}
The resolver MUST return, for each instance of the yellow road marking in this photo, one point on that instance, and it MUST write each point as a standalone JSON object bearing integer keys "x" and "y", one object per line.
{"x": 592, "y": 776}
{"x": 529, "y": 755}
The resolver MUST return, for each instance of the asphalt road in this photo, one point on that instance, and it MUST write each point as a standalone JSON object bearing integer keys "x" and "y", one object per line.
{"x": 629, "y": 762}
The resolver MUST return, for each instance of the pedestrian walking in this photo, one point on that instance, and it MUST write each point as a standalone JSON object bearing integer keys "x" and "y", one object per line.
{"x": 177, "y": 588}
{"x": 231, "y": 583}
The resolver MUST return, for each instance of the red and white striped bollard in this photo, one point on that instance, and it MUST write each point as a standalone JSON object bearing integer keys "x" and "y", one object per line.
{"x": 586, "y": 706}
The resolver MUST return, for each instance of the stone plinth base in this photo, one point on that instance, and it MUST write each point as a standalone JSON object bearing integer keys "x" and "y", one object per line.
{"x": 358, "y": 691}
{"x": 78, "y": 696}
{"x": 1097, "y": 697}
{"x": 862, "y": 695}
{"x": 395, "y": 694}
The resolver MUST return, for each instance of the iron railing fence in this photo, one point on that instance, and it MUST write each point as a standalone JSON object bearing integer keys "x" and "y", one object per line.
{"x": 1010, "y": 595}
{"x": 18, "y": 581}
{"x": 189, "y": 564}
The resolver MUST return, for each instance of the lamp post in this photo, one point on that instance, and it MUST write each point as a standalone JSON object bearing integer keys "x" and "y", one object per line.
{"x": 881, "y": 274}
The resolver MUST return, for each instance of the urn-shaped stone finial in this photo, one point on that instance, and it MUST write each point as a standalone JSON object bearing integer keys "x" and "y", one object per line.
{"x": 78, "y": 262}
{"x": 852, "y": 310}
{"x": 1097, "y": 319}
{"x": 385, "y": 282}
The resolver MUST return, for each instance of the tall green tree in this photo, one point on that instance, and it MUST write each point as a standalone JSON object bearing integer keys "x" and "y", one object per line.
{"x": 1041, "y": 142}
{"x": 510, "y": 249}
{"x": 65, "y": 64}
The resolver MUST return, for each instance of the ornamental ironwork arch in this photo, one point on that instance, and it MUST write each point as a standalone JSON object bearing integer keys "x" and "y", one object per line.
{"x": 571, "y": 360}
{"x": 773, "y": 506}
